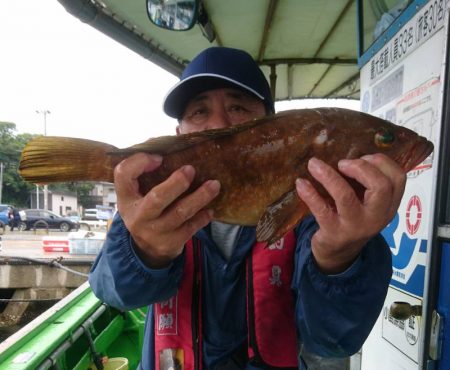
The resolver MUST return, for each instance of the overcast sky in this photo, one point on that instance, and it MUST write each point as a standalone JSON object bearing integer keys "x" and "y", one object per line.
{"x": 94, "y": 87}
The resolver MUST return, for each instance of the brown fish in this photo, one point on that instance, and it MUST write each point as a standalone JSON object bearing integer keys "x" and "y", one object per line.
{"x": 256, "y": 162}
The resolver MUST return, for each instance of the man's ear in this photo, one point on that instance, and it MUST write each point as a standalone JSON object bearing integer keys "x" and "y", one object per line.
{"x": 177, "y": 129}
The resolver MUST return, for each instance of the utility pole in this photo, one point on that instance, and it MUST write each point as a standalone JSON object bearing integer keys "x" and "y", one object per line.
{"x": 1, "y": 181}
{"x": 44, "y": 113}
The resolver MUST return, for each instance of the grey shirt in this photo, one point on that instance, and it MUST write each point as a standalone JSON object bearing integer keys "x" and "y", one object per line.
{"x": 225, "y": 237}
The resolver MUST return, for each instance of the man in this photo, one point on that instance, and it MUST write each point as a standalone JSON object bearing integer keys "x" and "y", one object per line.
{"x": 14, "y": 218}
{"x": 216, "y": 307}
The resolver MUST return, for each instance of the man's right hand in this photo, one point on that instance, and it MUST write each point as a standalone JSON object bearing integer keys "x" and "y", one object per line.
{"x": 159, "y": 222}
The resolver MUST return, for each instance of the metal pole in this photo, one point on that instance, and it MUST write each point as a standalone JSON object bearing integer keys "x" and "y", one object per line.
{"x": 44, "y": 113}
{"x": 1, "y": 181}
{"x": 45, "y": 186}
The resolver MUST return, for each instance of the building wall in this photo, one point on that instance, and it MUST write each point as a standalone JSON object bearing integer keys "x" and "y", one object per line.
{"x": 97, "y": 190}
{"x": 103, "y": 194}
{"x": 61, "y": 203}
{"x": 106, "y": 192}
{"x": 109, "y": 196}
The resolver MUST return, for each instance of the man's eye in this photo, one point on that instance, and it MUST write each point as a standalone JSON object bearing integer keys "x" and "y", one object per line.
{"x": 197, "y": 113}
{"x": 237, "y": 108}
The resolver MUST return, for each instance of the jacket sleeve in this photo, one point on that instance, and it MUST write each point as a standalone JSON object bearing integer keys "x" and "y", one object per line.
{"x": 335, "y": 313}
{"x": 120, "y": 279}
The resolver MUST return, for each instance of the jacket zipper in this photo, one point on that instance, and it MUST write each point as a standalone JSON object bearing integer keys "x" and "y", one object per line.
{"x": 195, "y": 305}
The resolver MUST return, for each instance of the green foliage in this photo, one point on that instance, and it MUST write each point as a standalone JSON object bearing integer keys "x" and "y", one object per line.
{"x": 15, "y": 191}
{"x": 81, "y": 189}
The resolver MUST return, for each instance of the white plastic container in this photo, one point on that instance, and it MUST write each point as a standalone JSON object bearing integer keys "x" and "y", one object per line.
{"x": 86, "y": 242}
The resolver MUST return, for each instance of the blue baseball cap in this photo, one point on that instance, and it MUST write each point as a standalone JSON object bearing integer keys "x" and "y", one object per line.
{"x": 215, "y": 68}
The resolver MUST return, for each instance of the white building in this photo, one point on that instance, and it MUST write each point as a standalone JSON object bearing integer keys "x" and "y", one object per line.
{"x": 104, "y": 194}
{"x": 58, "y": 201}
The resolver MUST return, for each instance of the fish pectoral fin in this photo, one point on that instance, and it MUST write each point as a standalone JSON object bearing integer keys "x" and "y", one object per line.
{"x": 281, "y": 217}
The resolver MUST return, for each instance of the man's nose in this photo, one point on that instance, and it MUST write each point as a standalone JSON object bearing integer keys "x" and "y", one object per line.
{"x": 219, "y": 120}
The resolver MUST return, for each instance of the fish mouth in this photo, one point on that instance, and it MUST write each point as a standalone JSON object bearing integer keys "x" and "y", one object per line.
{"x": 421, "y": 149}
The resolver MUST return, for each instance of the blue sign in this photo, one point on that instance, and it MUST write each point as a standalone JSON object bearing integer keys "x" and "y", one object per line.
{"x": 408, "y": 259}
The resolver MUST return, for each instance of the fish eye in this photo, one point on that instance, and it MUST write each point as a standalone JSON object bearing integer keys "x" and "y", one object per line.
{"x": 384, "y": 138}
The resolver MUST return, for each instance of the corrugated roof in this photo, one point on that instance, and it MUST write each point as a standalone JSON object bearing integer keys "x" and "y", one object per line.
{"x": 311, "y": 45}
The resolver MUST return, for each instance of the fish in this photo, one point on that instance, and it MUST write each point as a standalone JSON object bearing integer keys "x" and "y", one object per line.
{"x": 256, "y": 162}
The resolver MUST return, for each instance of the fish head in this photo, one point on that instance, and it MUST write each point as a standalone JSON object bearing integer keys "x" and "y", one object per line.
{"x": 368, "y": 134}
{"x": 403, "y": 145}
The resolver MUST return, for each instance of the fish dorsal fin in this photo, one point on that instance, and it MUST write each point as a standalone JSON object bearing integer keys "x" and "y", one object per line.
{"x": 280, "y": 217}
{"x": 170, "y": 144}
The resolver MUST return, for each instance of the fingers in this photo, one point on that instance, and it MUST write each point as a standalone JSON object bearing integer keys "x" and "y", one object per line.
{"x": 193, "y": 224}
{"x": 162, "y": 238}
{"x": 383, "y": 179}
{"x": 393, "y": 172}
{"x": 345, "y": 229}
{"x": 161, "y": 221}
{"x": 162, "y": 195}
{"x": 320, "y": 208}
{"x": 127, "y": 172}
{"x": 183, "y": 211}
{"x": 345, "y": 198}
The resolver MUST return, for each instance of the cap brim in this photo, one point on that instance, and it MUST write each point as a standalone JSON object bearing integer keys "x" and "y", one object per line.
{"x": 179, "y": 96}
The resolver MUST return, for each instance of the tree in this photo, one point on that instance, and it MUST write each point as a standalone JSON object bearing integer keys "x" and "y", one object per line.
{"x": 82, "y": 189}
{"x": 15, "y": 190}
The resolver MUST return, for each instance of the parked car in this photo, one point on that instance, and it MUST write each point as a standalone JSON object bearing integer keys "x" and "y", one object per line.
{"x": 73, "y": 215}
{"x": 4, "y": 213}
{"x": 90, "y": 214}
{"x": 42, "y": 219}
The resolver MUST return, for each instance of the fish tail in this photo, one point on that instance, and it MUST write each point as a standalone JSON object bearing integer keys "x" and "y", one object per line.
{"x": 47, "y": 159}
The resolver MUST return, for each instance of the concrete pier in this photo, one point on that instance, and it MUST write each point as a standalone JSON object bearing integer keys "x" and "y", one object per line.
{"x": 27, "y": 275}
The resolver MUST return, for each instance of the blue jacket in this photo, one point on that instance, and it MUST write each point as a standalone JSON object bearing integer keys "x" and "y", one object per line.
{"x": 334, "y": 314}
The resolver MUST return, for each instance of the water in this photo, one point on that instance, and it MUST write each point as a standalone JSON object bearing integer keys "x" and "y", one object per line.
{"x": 33, "y": 311}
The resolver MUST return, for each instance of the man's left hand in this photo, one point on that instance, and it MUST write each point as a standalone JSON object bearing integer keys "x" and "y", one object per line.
{"x": 347, "y": 227}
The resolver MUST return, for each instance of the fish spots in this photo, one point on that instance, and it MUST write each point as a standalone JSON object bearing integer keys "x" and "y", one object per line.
{"x": 290, "y": 140}
{"x": 321, "y": 138}
{"x": 354, "y": 152}
{"x": 268, "y": 147}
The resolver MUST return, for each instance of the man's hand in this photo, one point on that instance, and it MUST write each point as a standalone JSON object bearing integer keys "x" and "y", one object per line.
{"x": 345, "y": 230}
{"x": 159, "y": 222}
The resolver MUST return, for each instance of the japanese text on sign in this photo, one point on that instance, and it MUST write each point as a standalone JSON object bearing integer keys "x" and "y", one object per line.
{"x": 415, "y": 32}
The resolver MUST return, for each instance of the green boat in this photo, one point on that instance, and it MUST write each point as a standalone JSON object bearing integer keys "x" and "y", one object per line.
{"x": 78, "y": 332}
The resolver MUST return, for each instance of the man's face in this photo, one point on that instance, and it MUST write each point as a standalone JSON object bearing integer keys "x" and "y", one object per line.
{"x": 219, "y": 108}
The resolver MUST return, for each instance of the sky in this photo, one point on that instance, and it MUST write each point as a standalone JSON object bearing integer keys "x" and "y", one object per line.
{"x": 93, "y": 87}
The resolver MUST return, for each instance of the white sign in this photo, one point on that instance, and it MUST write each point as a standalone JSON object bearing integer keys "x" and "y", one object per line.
{"x": 413, "y": 34}
{"x": 410, "y": 95}
{"x": 403, "y": 83}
